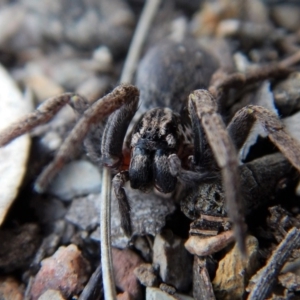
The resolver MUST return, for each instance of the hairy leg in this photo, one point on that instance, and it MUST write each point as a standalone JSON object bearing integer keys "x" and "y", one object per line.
{"x": 118, "y": 185}
{"x": 205, "y": 106}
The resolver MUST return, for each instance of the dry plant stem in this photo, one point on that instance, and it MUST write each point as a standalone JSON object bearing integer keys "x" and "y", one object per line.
{"x": 92, "y": 290}
{"x": 41, "y": 115}
{"x": 202, "y": 287}
{"x": 274, "y": 265}
{"x": 224, "y": 151}
{"x": 97, "y": 112}
{"x": 106, "y": 256}
{"x": 138, "y": 39}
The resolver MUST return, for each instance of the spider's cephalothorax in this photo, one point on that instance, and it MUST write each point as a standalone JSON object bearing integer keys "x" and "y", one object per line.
{"x": 157, "y": 135}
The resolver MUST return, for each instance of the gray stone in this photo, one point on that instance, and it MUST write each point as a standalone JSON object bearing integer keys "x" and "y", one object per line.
{"x": 51, "y": 295}
{"x": 48, "y": 210}
{"x": 174, "y": 261}
{"x": 148, "y": 213}
{"x": 157, "y": 294}
{"x": 84, "y": 212}
{"x": 145, "y": 273}
{"x": 287, "y": 16}
{"x": 77, "y": 178}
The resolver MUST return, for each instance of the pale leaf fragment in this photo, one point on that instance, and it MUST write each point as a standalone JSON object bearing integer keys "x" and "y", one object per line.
{"x": 13, "y": 157}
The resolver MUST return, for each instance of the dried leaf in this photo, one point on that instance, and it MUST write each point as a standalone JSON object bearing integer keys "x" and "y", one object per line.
{"x": 13, "y": 157}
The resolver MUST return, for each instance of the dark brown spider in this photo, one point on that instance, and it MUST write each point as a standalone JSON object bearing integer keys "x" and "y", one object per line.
{"x": 186, "y": 141}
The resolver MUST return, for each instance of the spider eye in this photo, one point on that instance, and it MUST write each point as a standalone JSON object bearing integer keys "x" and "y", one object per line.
{"x": 140, "y": 171}
{"x": 165, "y": 182}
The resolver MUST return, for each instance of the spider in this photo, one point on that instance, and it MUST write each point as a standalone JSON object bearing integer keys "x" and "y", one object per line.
{"x": 180, "y": 134}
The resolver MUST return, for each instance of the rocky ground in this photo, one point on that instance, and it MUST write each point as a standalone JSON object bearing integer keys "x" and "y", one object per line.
{"x": 50, "y": 241}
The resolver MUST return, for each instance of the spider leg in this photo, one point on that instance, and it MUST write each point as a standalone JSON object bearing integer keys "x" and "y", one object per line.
{"x": 41, "y": 115}
{"x": 222, "y": 81}
{"x": 246, "y": 117}
{"x": 118, "y": 183}
{"x": 115, "y": 131}
{"x": 186, "y": 176}
{"x": 94, "y": 114}
{"x": 205, "y": 106}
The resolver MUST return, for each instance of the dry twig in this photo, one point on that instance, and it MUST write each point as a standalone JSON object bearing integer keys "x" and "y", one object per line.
{"x": 202, "y": 287}
{"x": 268, "y": 275}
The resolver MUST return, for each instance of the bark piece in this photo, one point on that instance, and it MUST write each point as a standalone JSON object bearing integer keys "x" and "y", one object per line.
{"x": 205, "y": 246}
{"x": 234, "y": 271}
{"x": 266, "y": 277}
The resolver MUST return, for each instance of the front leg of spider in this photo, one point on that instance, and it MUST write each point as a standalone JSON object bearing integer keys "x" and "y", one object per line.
{"x": 203, "y": 111}
{"x": 111, "y": 151}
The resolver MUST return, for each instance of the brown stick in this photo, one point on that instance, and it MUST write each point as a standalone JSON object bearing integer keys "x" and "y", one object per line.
{"x": 202, "y": 287}
{"x": 274, "y": 265}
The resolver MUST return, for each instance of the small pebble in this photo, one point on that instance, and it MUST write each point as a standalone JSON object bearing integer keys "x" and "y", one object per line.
{"x": 146, "y": 275}
{"x": 66, "y": 271}
{"x": 52, "y": 295}
{"x": 148, "y": 216}
{"x": 144, "y": 245}
{"x": 290, "y": 281}
{"x": 43, "y": 87}
{"x": 10, "y": 289}
{"x": 167, "y": 288}
{"x": 77, "y": 178}
{"x": 173, "y": 260}
{"x": 157, "y": 294}
{"x": 18, "y": 246}
{"x": 206, "y": 246}
{"x": 292, "y": 126}
{"x": 287, "y": 16}
{"x": 234, "y": 271}
{"x": 103, "y": 58}
{"x": 124, "y": 263}
{"x": 124, "y": 296}
{"x": 93, "y": 88}
{"x": 84, "y": 212}
{"x": 49, "y": 209}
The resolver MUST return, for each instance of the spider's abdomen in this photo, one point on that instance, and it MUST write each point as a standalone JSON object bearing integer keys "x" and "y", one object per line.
{"x": 170, "y": 71}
